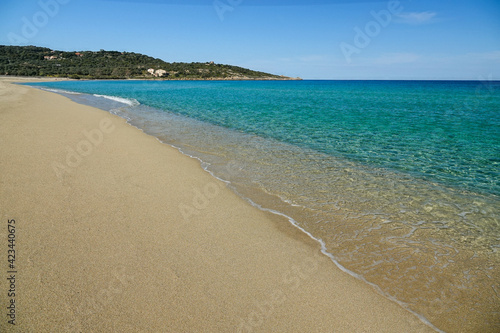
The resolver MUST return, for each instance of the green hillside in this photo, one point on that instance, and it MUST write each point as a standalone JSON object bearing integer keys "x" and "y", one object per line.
{"x": 40, "y": 61}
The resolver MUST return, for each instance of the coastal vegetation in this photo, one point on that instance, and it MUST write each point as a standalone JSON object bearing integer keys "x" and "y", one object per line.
{"x": 41, "y": 61}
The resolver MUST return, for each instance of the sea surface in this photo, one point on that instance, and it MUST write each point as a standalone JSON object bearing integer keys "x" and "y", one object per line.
{"x": 399, "y": 180}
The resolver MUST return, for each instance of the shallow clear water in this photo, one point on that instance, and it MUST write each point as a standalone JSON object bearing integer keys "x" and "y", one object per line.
{"x": 399, "y": 179}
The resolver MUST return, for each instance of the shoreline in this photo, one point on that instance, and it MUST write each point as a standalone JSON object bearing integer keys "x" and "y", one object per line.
{"x": 236, "y": 257}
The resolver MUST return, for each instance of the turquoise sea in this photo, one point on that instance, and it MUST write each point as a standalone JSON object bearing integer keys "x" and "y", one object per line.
{"x": 399, "y": 180}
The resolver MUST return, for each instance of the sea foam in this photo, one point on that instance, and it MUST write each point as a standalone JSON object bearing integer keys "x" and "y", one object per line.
{"x": 61, "y": 91}
{"x": 128, "y": 101}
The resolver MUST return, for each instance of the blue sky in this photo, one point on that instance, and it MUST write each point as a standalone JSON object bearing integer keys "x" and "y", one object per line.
{"x": 313, "y": 39}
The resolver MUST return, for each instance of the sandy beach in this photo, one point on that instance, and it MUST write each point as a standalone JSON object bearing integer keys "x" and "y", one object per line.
{"x": 117, "y": 232}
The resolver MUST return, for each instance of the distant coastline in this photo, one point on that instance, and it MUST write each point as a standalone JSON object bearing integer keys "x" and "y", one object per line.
{"x": 52, "y": 78}
{"x": 33, "y": 61}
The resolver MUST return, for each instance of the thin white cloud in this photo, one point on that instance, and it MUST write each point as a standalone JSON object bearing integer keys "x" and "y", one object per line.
{"x": 415, "y": 17}
{"x": 313, "y": 58}
{"x": 493, "y": 56}
{"x": 382, "y": 60}
{"x": 396, "y": 58}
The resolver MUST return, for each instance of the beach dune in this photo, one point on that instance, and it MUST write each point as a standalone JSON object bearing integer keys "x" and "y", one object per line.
{"x": 117, "y": 232}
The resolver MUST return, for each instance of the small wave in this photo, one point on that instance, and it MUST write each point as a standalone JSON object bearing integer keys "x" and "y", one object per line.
{"x": 61, "y": 91}
{"x": 119, "y": 113}
{"x": 128, "y": 101}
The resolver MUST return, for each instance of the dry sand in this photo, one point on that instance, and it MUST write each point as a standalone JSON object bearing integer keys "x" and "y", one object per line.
{"x": 116, "y": 232}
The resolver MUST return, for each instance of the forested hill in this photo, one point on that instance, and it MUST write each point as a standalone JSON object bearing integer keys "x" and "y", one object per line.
{"x": 40, "y": 61}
